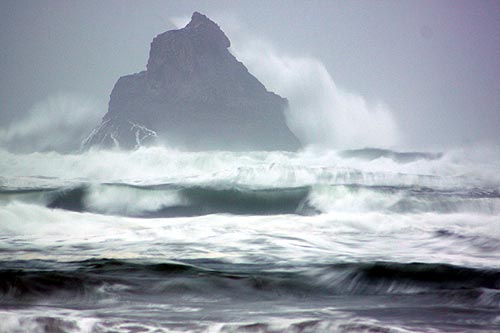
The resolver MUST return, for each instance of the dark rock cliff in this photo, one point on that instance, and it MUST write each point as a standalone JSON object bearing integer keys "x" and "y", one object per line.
{"x": 194, "y": 95}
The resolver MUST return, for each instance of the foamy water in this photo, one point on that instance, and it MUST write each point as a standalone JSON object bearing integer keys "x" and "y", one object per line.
{"x": 158, "y": 240}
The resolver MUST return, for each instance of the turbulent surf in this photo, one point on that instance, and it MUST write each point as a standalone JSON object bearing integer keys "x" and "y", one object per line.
{"x": 160, "y": 240}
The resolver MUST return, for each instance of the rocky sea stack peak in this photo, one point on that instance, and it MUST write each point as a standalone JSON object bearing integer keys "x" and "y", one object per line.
{"x": 208, "y": 29}
{"x": 194, "y": 95}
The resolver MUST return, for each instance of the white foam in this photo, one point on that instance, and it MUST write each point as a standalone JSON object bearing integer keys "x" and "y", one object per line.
{"x": 130, "y": 201}
{"x": 344, "y": 199}
{"x": 157, "y": 165}
{"x": 39, "y": 320}
{"x": 35, "y": 232}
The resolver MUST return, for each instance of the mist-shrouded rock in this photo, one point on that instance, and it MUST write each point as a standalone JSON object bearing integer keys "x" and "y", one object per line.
{"x": 195, "y": 95}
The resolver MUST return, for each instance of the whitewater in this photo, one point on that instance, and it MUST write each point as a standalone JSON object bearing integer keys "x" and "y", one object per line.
{"x": 162, "y": 240}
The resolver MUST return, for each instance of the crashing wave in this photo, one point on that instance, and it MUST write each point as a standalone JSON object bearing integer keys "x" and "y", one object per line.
{"x": 119, "y": 134}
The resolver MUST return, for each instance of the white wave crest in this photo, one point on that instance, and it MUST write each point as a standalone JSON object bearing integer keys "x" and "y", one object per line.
{"x": 158, "y": 165}
{"x": 129, "y": 201}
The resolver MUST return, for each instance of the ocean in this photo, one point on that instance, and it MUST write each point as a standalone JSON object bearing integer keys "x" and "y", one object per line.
{"x": 160, "y": 240}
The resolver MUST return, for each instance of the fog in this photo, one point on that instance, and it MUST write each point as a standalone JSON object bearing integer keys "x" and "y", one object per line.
{"x": 406, "y": 75}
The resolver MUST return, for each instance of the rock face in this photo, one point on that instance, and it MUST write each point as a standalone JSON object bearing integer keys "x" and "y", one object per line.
{"x": 194, "y": 95}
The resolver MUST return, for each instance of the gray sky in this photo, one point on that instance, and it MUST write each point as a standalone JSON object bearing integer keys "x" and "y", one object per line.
{"x": 435, "y": 64}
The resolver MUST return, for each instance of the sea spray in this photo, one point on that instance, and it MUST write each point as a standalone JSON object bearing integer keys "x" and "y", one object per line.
{"x": 320, "y": 113}
{"x": 59, "y": 122}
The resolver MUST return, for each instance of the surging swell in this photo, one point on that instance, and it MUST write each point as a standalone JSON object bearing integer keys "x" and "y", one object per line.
{"x": 175, "y": 200}
{"x": 105, "y": 278}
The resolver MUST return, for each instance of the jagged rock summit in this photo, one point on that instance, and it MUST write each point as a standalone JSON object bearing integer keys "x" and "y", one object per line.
{"x": 194, "y": 95}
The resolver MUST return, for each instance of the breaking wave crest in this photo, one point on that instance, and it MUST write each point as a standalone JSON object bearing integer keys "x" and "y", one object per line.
{"x": 153, "y": 239}
{"x": 171, "y": 200}
{"x": 157, "y": 182}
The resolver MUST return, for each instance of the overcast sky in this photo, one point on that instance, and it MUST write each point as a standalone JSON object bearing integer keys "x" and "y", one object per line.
{"x": 434, "y": 64}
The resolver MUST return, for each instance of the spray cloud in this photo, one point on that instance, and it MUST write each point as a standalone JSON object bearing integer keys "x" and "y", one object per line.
{"x": 321, "y": 114}
{"x": 60, "y": 122}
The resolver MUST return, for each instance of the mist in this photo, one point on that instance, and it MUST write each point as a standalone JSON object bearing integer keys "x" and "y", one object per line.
{"x": 58, "y": 123}
{"x": 320, "y": 113}
{"x": 414, "y": 75}
{"x": 183, "y": 201}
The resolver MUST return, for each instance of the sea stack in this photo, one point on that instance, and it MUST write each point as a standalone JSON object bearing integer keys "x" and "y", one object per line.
{"x": 195, "y": 95}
